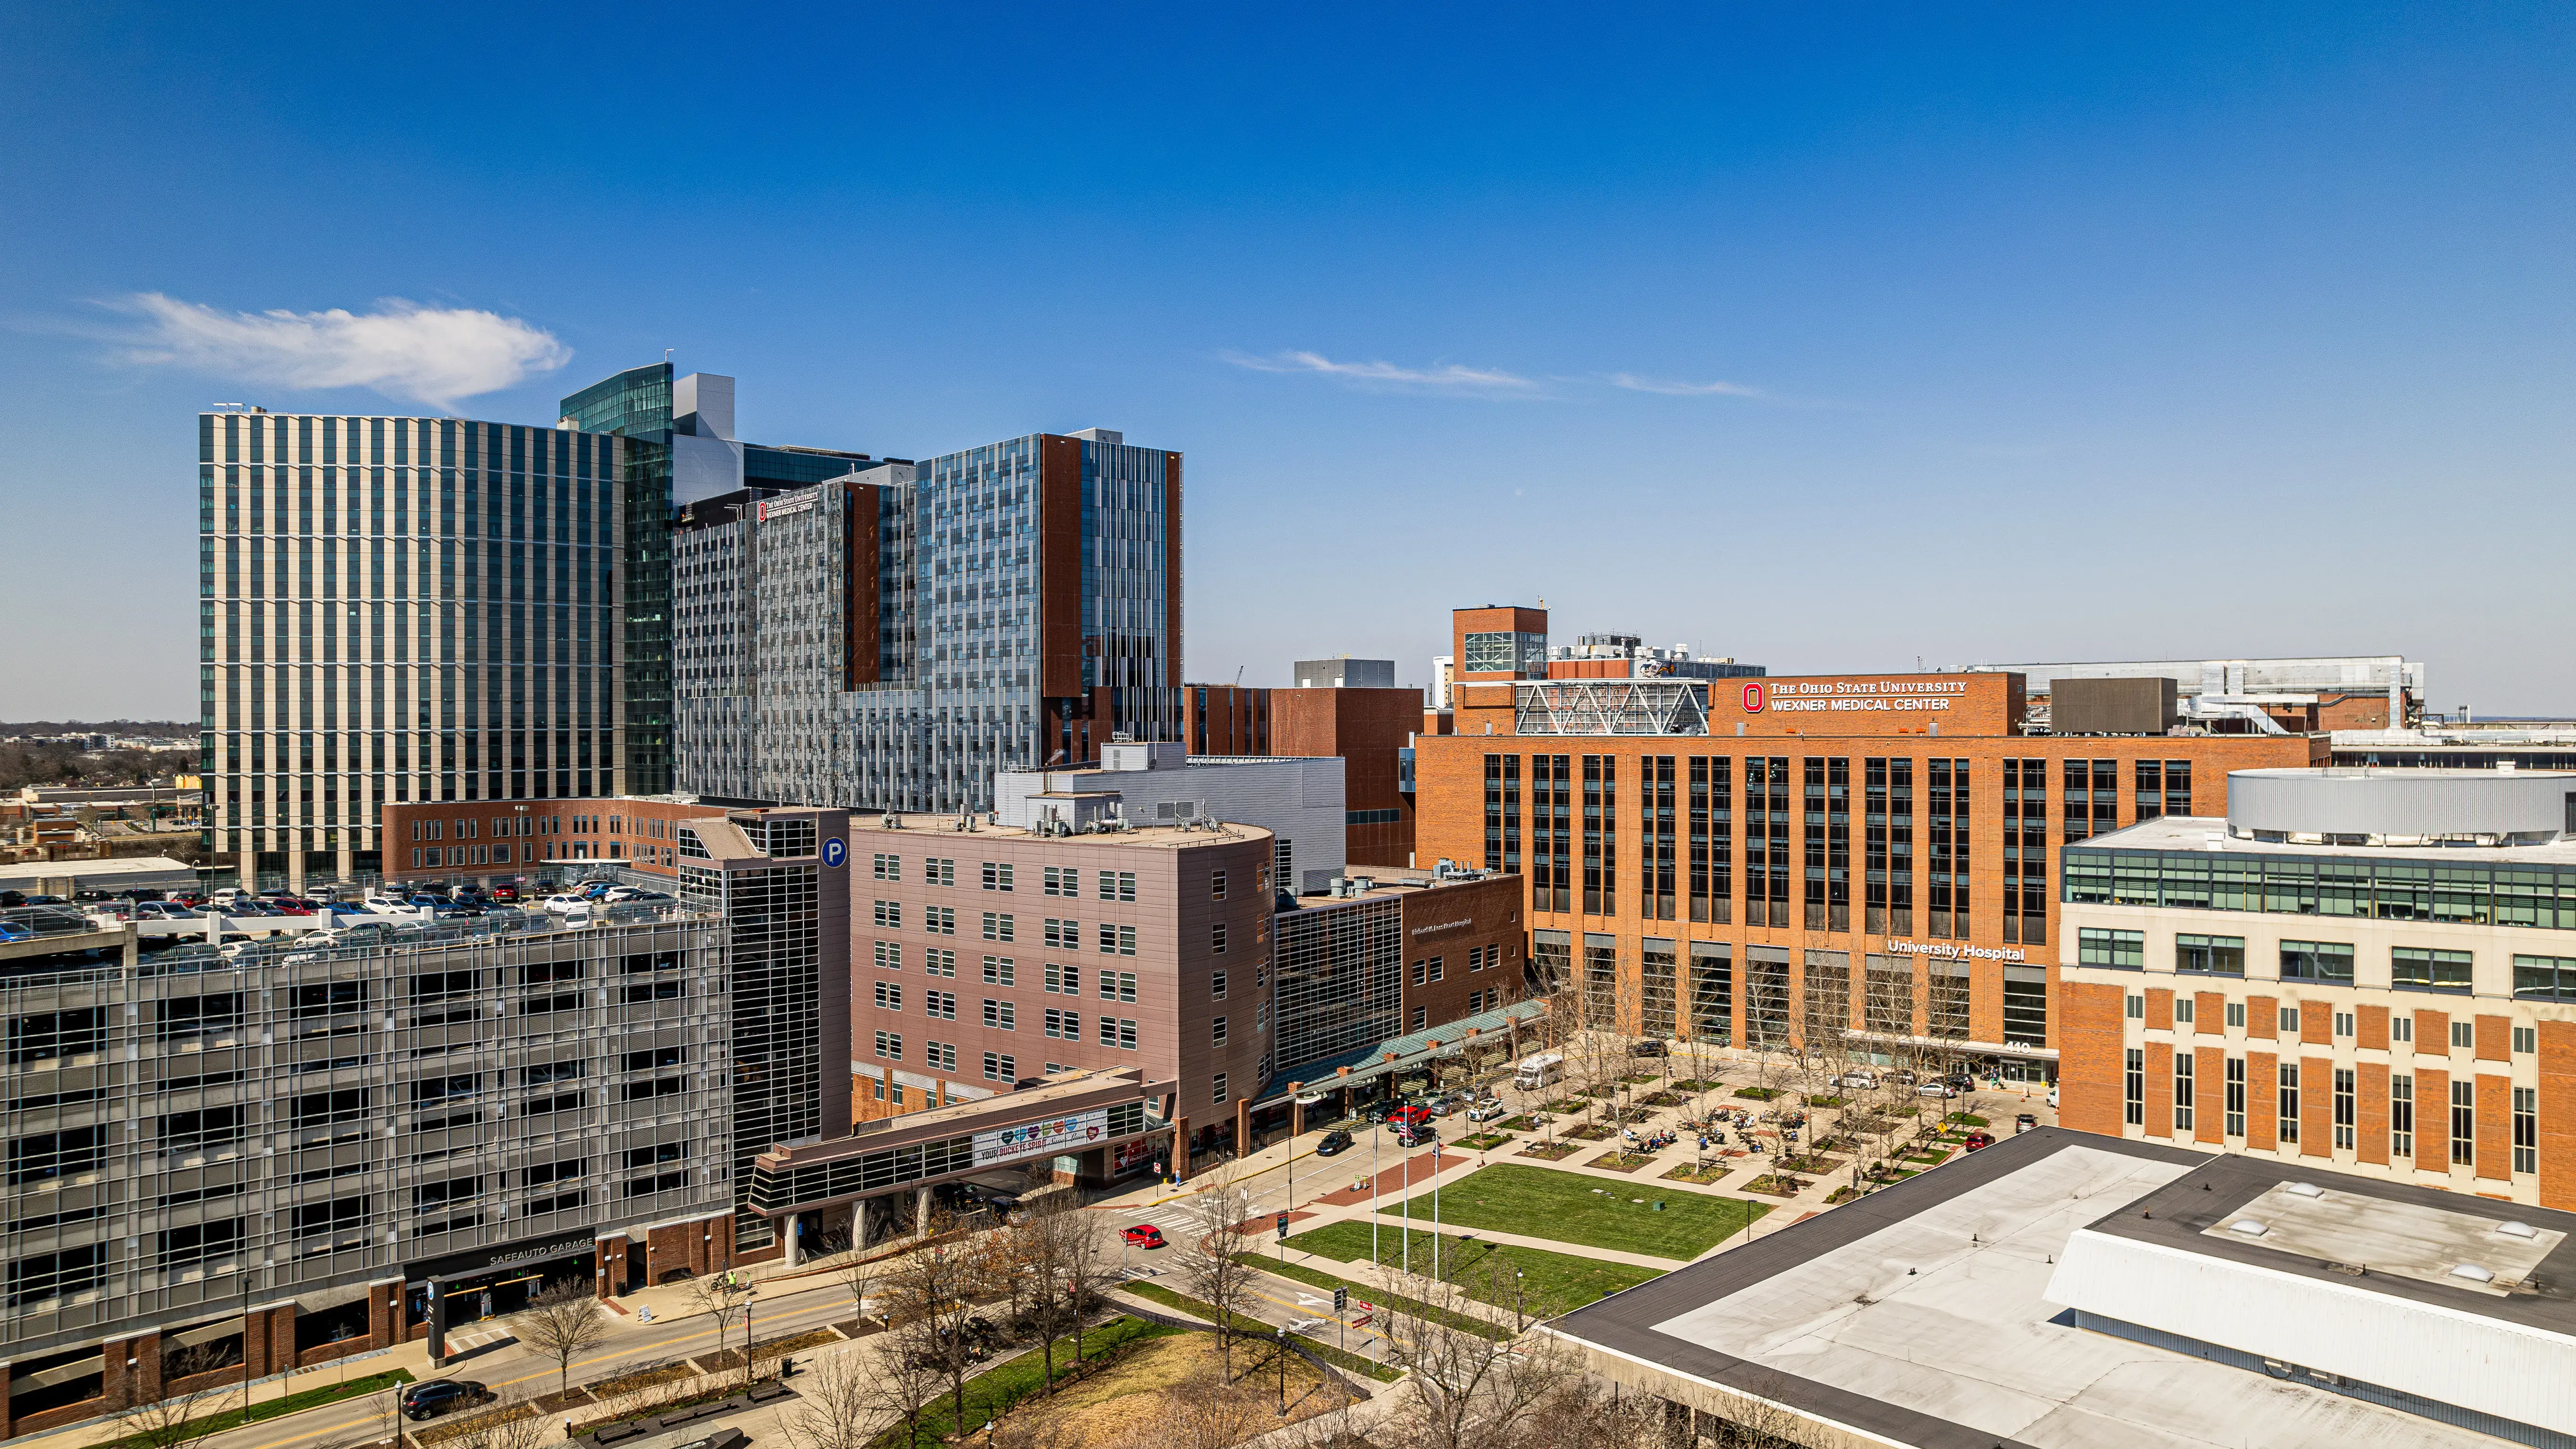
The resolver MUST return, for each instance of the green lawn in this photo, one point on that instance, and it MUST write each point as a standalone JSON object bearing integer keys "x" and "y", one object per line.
{"x": 1554, "y": 1282}
{"x": 1538, "y": 1203}
{"x": 231, "y": 1418}
{"x": 1316, "y": 1277}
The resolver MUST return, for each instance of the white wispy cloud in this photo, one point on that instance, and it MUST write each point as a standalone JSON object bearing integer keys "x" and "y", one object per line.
{"x": 1448, "y": 377}
{"x": 432, "y": 355}
{"x": 1670, "y": 388}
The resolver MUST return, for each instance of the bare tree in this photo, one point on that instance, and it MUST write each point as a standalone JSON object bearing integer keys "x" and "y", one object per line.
{"x": 1467, "y": 1391}
{"x": 182, "y": 1420}
{"x": 909, "y": 1371}
{"x": 931, "y": 1288}
{"x": 724, "y": 1297}
{"x": 1053, "y": 1232}
{"x": 1082, "y": 1263}
{"x": 514, "y": 1424}
{"x": 562, "y": 1323}
{"x": 839, "y": 1406}
{"x": 860, "y": 1281}
{"x": 1585, "y": 1413}
{"x": 1208, "y": 1267}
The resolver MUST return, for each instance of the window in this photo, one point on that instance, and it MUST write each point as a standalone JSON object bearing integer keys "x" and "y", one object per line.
{"x": 2213, "y": 955}
{"x": 2316, "y": 961}
{"x": 329, "y": 999}
{"x": 42, "y": 1277}
{"x": 890, "y": 1045}
{"x": 2343, "y": 1108}
{"x": 1216, "y": 1088}
{"x": 1216, "y": 938}
{"x": 2401, "y": 1027}
{"x": 2526, "y": 1129}
{"x": 1118, "y": 940}
{"x": 997, "y": 877}
{"x": 888, "y": 867}
{"x": 2235, "y": 1101}
{"x": 1060, "y": 880}
{"x": 2343, "y": 1023}
{"x": 2288, "y": 1097}
{"x": 1421, "y": 973}
{"x": 939, "y": 920}
{"x": 1216, "y": 985}
{"x": 2526, "y": 1040}
{"x": 2236, "y": 1014}
{"x": 1435, "y": 968}
{"x": 2401, "y": 1117}
{"x": 187, "y": 1132}
{"x": 2182, "y": 1065}
{"x": 1420, "y": 1015}
{"x": 2183, "y": 1009}
{"x": 889, "y": 956}
{"x": 889, "y": 915}
{"x": 941, "y": 1005}
{"x": 940, "y": 1054}
{"x": 1001, "y": 971}
{"x": 1217, "y": 1036}
{"x": 2545, "y": 978}
{"x": 321, "y": 1227}
{"x": 555, "y": 1174}
{"x": 658, "y": 1167}
{"x": 1216, "y": 885}
{"x": 630, "y": 996}
{"x": 889, "y": 996}
{"x": 1118, "y": 885}
{"x": 1001, "y": 1015}
{"x": 1000, "y": 1068}
{"x": 2411, "y": 969}
{"x": 652, "y": 1057}
{"x": 938, "y": 961}
{"x": 1066, "y": 1025}
{"x": 2121, "y": 950}
{"x": 935, "y": 871}
{"x": 1117, "y": 985}
{"x": 2464, "y": 1122}
{"x": 2289, "y": 1021}
{"x": 1118, "y": 1032}
{"x": 2134, "y": 1006}
{"x": 1063, "y": 935}
{"x": 2464, "y": 1035}
{"x": 1064, "y": 980}
{"x": 999, "y": 926}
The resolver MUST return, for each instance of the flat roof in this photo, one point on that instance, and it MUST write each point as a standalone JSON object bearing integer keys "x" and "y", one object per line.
{"x": 1919, "y": 1313}
{"x": 2198, "y": 832}
{"x": 1169, "y": 837}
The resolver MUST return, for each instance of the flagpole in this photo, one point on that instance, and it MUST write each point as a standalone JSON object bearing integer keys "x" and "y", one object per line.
{"x": 1435, "y": 1203}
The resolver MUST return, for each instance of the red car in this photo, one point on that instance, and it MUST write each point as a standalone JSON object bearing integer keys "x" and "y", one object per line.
{"x": 288, "y": 905}
{"x": 1144, "y": 1235}
{"x": 1408, "y": 1119}
{"x": 1980, "y": 1139}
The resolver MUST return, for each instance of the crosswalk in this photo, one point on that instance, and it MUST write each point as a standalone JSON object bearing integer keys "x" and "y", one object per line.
{"x": 467, "y": 1340}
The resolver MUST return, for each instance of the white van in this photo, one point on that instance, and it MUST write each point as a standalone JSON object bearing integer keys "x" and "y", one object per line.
{"x": 1543, "y": 1070}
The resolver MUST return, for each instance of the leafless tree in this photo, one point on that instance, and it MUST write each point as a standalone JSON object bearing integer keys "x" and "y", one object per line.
{"x": 510, "y": 1423}
{"x": 1082, "y": 1263}
{"x": 1467, "y": 1391}
{"x": 860, "y": 1281}
{"x": 1051, "y": 1236}
{"x": 725, "y": 1297}
{"x": 1209, "y": 1270}
{"x": 562, "y": 1323}
{"x": 908, "y": 1371}
{"x": 932, "y": 1287}
{"x": 839, "y": 1406}
{"x": 1586, "y": 1413}
{"x": 184, "y": 1419}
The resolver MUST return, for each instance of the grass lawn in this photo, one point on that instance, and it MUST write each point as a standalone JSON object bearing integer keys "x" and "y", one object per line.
{"x": 1254, "y": 1330}
{"x": 991, "y": 1393}
{"x": 1555, "y": 1282}
{"x": 1364, "y": 1293}
{"x": 1539, "y": 1203}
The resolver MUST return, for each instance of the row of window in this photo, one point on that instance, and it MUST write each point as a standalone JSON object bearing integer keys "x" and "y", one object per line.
{"x": 2525, "y": 1103}
{"x": 2410, "y": 968}
{"x": 1110, "y": 885}
{"x": 1003, "y": 926}
{"x": 1119, "y": 1032}
{"x": 2401, "y": 1027}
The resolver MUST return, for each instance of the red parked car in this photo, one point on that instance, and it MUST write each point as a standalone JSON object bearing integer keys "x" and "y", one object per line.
{"x": 1980, "y": 1139}
{"x": 1144, "y": 1235}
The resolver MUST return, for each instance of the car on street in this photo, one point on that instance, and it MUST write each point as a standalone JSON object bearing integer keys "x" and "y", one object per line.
{"x": 1858, "y": 1081}
{"x": 12, "y": 931}
{"x": 1410, "y": 1119}
{"x": 564, "y": 905}
{"x": 1144, "y": 1235}
{"x": 437, "y": 1396}
{"x": 1936, "y": 1089}
{"x": 505, "y": 892}
{"x": 1487, "y": 1109}
{"x": 1377, "y": 1111}
{"x": 1650, "y": 1047}
{"x": 1980, "y": 1139}
{"x": 2052, "y": 1096}
{"x": 2025, "y": 1122}
{"x": 1334, "y": 1141}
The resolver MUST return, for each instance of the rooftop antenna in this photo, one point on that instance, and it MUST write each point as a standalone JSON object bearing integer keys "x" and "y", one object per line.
{"x": 666, "y": 354}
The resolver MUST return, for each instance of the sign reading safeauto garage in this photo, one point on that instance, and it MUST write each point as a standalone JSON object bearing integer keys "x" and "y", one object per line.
{"x": 1851, "y": 696}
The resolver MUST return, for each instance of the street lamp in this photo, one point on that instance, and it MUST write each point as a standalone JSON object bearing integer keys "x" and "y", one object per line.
{"x": 1283, "y": 1372}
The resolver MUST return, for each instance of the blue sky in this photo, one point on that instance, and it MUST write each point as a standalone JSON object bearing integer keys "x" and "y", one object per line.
{"x": 1829, "y": 338}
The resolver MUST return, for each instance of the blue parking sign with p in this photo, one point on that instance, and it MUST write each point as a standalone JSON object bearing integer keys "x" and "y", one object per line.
{"x": 835, "y": 850}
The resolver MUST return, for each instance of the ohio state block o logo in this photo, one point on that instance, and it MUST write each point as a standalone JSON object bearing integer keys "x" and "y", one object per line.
{"x": 1753, "y": 700}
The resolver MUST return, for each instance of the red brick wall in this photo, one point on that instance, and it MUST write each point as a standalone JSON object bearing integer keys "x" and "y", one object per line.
{"x": 2316, "y": 1100}
{"x": 2558, "y": 1114}
{"x": 2370, "y": 1115}
{"x": 2432, "y": 1112}
{"x": 2209, "y": 1094}
{"x": 2089, "y": 1066}
{"x": 2495, "y": 1122}
{"x": 2262, "y": 1099}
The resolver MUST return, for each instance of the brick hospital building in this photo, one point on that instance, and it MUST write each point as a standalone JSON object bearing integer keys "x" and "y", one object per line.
{"x": 1861, "y": 857}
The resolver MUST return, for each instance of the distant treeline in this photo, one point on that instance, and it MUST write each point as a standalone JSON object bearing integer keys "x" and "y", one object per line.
{"x": 156, "y": 728}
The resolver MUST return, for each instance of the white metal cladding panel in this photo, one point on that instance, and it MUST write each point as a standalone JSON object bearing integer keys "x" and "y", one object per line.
{"x": 2398, "y": 802}
{"x": 2446, "y": 1355}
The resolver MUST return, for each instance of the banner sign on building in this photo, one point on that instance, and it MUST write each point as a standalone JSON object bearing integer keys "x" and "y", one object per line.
{"x": 1042, "y": 1139}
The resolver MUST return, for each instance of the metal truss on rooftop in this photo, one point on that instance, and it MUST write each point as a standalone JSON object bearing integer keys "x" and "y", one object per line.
{"x": 1611, "y": 707}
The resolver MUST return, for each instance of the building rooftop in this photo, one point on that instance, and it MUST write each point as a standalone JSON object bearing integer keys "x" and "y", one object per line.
{"x": 1168, "y": 837}
{"x": 2062, "y": 1291}
{"x": 2197, "y": 832}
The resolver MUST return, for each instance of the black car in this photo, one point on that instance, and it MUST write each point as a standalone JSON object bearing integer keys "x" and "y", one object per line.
{"x": 422, "y": 1401}
{"x": 1334, "y": 1141}
{"x": 2025, "y": 1121}
{"x": 1647, "y": 1048}
{"x": 1377, "y": 1111}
